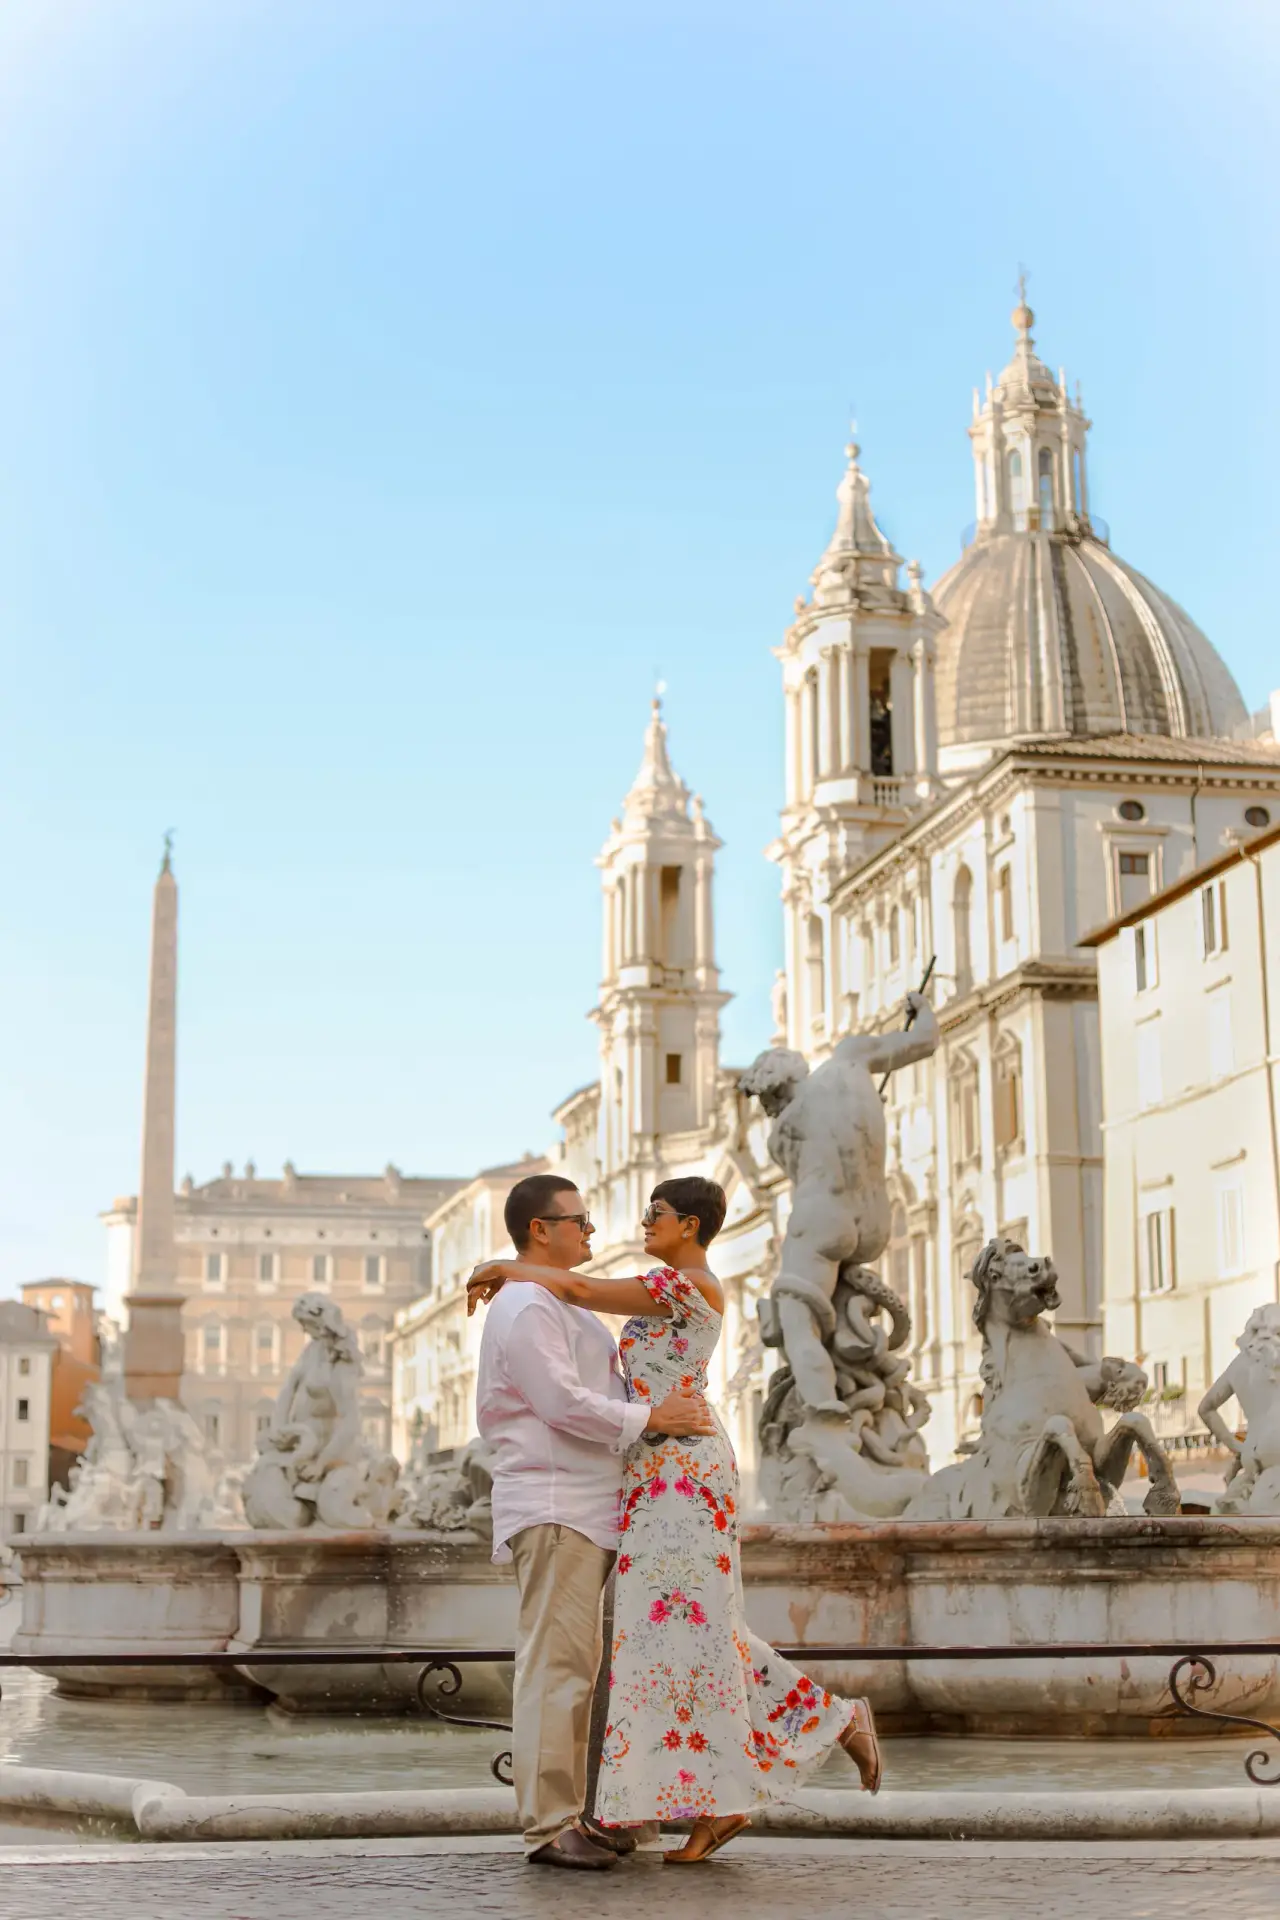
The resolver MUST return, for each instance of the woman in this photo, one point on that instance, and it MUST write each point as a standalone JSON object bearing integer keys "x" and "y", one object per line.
{"x": 705, "y": 1721}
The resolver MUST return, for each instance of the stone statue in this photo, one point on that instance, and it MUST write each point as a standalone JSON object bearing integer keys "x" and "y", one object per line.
{"x": 1253, "y": 1379}
{"x": 840, "y": 1432}
{"x": 1043, "y": 1448}
{"x": 447, "y": 1496}
{"x": 143, "y": 1469}
{"x": 313, "y": 1467}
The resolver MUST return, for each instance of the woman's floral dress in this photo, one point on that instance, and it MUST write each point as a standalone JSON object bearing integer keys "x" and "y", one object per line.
{"x": 704, "y": 1718}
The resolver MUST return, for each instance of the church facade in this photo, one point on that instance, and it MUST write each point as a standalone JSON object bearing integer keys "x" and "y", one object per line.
{"x": 976, "y": 777}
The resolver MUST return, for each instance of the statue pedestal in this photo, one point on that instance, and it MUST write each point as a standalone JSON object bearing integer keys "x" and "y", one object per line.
{"x": 153, "y": 1346}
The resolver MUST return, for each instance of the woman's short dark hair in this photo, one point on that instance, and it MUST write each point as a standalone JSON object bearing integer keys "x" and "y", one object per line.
{"x": 698, "y": 1199}
{"x": 528, "y": 1201}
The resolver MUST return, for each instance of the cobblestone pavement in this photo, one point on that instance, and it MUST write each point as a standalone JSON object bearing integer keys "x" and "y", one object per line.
{"x": 772, "y": 1880}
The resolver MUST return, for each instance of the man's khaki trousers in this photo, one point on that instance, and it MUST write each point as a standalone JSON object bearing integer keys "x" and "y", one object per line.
{"x": 560, "y": 1575}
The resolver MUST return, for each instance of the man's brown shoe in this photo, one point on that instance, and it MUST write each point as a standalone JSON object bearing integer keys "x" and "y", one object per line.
{"x": 573, "y": 1849}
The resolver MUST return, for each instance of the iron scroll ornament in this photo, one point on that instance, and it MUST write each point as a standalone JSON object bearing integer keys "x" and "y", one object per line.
{"x": 1202, "y": 1675}
{"x": 449, "y": 1684}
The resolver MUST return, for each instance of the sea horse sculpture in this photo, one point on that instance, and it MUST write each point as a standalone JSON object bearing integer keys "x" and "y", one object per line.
{"x": 1044, "y": 1448}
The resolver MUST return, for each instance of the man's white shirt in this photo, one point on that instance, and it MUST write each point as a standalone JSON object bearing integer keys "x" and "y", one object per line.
{"x": 552, "y": 1404}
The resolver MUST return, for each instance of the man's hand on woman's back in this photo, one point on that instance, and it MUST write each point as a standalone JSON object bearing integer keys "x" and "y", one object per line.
{"x": 681, "y": 1415}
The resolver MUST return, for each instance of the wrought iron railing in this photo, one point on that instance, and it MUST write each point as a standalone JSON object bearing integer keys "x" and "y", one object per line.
{"x": 1192, "y": 1667}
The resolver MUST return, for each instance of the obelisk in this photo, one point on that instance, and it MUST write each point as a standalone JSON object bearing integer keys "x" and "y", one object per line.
{"x": 153, "y": 1345}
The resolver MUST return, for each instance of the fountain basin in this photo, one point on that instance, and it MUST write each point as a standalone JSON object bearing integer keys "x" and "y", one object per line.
{"x": 1187, "y": 1580}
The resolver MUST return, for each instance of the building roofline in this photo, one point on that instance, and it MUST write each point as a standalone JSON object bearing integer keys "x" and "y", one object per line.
{"x": 1034, "y": 754}
{"x": 1245, "y": 850}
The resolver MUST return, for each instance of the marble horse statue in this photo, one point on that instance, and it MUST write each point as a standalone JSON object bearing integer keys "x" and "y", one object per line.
{"x": 1044, "y": 1447}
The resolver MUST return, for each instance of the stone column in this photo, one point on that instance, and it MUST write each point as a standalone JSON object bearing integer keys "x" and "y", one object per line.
{"x": 153, "y": 1346}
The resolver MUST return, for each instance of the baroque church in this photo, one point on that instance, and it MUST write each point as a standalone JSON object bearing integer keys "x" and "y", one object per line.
{"x": 976, "y": 777}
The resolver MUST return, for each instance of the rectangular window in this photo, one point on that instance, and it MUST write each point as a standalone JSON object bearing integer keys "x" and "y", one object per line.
{"x": 894, "y": 937}
{"x": 1221, "y": 1049}
{"x": 213, "y": 1269}
{"x": 24, "y": 1409}
{"x": 1008, "y": 1118}
{"x": 266, "y": 1270}
{"x": 212, "y": 1354}
{"x": 373, "y": 1272}
{"x": 1231, "y": 1229}
{"x": 1004, "y": 890}
{"x": 1150, "y": 1075}
{"x": 673, "y": 1069}
{"x": 266, "y": 1346}
{"x": 24, "y": 1365}
{"x": 18, "y": 1523}
{"x": 20, "y": 1471}
{"x": 1135, "y": 880}
{"x": 1157, "y": 1252}
{"x": 1213, "y": 917}
{"x": 319, "y": 1269}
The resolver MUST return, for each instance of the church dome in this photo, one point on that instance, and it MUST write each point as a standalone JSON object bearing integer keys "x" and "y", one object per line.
{"x": 1048, "y": 631}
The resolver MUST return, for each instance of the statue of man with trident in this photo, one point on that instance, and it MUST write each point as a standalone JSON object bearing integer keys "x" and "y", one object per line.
{"x": 829, "y": 1137}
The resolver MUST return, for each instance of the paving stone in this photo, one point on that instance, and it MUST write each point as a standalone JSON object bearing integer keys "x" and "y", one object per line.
{"x": 765, "y": 1879}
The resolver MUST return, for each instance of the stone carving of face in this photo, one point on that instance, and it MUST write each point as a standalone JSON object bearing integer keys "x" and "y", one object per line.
{"x": 774, "y": 1077}
{"x": 315, "y": 1313}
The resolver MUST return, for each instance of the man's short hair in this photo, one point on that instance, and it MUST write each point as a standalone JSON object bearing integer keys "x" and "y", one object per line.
{"x": 528, "y": 1201}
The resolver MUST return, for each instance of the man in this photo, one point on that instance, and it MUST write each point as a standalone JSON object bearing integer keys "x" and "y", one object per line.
{"x": 551, "y": 1403}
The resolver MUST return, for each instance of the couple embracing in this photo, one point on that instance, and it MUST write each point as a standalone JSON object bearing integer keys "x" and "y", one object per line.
{"x": 609, "y": 1456}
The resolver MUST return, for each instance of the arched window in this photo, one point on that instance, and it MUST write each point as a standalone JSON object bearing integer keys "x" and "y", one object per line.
{"x": 1077, "y": 481}
{"x": 962, "y": 916}
{"x": 1045, "y": 476}
{"x": 1016, "y": 501}
{"x": 815, "y": 968}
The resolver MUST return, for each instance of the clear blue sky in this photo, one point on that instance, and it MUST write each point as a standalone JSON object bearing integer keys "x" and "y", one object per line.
{"x": 388, "y": 387}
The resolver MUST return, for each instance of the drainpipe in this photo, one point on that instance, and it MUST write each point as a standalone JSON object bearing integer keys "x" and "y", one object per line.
{"x": 1195, "y": 829}
{"x": 1269, "y": 1051}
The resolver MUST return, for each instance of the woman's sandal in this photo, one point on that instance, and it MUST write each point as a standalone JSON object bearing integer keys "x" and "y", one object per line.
{"x": 708, "y": 1837}
{"x": 860, "y": 1743}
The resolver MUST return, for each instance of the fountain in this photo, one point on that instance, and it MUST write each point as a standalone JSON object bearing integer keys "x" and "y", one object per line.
{"x": 1023, "y": 1542}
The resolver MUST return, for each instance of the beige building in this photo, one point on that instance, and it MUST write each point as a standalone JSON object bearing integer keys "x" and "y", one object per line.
{"x": 1189, "y": 998}
{"x": 434, "y": 1346}
{"x": 27, "y": 1351}
{"x": 247, "y": 1247}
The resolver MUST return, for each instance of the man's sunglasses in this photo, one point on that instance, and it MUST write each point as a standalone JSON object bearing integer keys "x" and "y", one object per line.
{"x": 581, "y": 1220}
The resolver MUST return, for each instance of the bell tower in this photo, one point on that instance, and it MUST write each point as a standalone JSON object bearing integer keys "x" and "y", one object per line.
{"x": 861, "y": 742}
{"x": 660, "y": 997}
